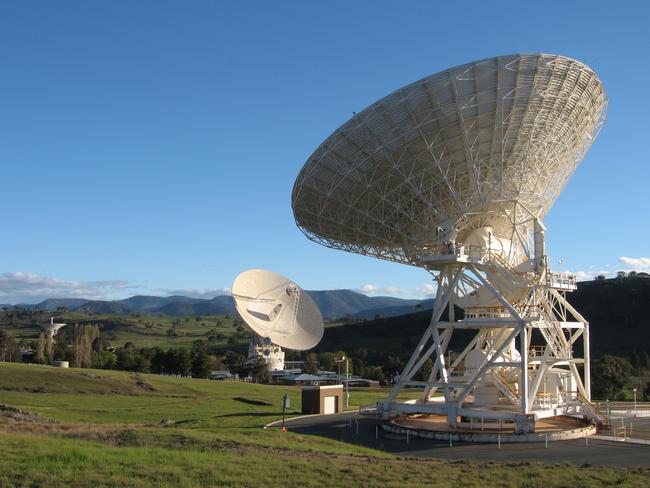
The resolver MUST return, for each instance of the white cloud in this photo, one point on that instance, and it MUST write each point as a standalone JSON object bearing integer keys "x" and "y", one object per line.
{"x": 193, "y": 292}
{"x": 426, "y": 290}
{"x": 635, "y": 264}
{"x": 591, "y": 274}
{"x": 375, "y": 290}
{"x": 21, "y": 287}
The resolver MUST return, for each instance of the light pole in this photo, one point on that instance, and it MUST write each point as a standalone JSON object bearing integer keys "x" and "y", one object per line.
{"x": 338, "y": 362}
{"x": 634, "y": 390}
{"x": 286, "y": 403}
{"x": 347, "y": 385}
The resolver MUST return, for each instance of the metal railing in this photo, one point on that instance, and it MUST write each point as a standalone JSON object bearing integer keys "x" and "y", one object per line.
{"x": 628, "y": 407}
{"x": 547, "y": 400}
{"x": 561, "y": 280}
{"x": 487, "y": 313}
{"x": 456, "y": 372}
{"x": 368, "y": 410}
{"x": 621, "y": 432}
{"x": 460, "y": 250}
{"x": 555, "y": 279}
{"x": 536, "y": 351}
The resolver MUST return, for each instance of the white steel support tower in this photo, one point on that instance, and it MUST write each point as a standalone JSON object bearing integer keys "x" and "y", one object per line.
{"x": 501, "y": 375}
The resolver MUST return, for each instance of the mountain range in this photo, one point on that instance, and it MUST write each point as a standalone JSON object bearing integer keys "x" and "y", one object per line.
{"x": 333, "y": 304}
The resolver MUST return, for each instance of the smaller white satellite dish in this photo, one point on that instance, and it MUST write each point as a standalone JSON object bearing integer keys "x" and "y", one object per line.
{"x": 52, "y": 328}
{"x": 277, "y": 309}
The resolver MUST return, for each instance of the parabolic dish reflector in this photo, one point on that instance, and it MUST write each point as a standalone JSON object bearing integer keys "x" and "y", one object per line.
{"x": 278, "y": 309}
{"x": 449, "y": 154}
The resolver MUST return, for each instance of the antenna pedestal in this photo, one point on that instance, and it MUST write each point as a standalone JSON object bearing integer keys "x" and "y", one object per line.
{"x": 271, "y": 354}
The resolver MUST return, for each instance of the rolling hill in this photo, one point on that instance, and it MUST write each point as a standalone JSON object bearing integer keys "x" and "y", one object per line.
{"x": 334, "y": 304}
{"x": 52, "y": 304}
{"x": 617, "y": 311}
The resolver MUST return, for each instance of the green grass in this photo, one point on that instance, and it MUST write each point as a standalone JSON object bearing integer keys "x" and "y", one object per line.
{"x": 37, "y": 461}
{"x": 104, "y": 396}
{"x": 83, "y": 395}
{"x": 109, "y": 433}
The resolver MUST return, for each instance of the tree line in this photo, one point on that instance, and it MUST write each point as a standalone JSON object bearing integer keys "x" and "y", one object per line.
{"x": 613, "y": 377}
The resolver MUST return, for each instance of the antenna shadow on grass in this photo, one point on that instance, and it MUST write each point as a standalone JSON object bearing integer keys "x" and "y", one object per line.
{"x": 250, "y": 401}
{"x": 244, "y": 414}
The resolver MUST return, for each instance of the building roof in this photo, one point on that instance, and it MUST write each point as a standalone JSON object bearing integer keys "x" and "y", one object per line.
{"x": 305, "y": 377}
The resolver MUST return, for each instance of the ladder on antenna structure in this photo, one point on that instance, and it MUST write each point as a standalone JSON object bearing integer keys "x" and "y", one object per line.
{"x": 496, "y": 259}
{"x": 505, "y": 387}
{"x": 552, "y": 338}
{"x": 553, "y": 334}
{"x": 296, "y": 302}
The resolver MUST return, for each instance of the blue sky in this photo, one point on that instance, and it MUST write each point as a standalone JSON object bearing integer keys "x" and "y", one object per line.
{"x": 151, "y": 146}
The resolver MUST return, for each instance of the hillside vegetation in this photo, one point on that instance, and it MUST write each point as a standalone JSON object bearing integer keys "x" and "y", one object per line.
{"x": 617, "y": 311}
{"x": 222, "y": 332}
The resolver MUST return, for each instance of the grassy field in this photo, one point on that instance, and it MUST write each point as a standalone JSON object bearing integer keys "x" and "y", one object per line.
{"x": 142, "y": 330}
{"x": 153, "y": 330}
{"x": 108, "y": 428}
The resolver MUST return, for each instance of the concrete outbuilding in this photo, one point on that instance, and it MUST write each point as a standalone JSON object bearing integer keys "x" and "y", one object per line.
{"x": 322, "y": 399}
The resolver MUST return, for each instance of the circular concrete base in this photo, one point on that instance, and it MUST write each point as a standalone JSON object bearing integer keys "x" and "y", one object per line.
{"x": 435, "y": 427}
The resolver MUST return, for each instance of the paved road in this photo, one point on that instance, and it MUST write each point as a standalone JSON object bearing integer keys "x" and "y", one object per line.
{"x": 597, "y": 453}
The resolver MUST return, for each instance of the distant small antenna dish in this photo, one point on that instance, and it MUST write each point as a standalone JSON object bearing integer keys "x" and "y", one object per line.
{"x": 52, "y": 328}
{"x": 277, "y": 310}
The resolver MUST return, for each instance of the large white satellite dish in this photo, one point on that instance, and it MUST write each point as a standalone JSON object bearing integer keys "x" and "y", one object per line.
{"x": 278, "y": 310}
{"x": 449, "y": 154}
{"x": 454, "y": 173}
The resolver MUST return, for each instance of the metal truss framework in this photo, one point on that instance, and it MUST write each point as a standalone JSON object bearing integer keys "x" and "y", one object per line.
{"x": 432, "y": 161}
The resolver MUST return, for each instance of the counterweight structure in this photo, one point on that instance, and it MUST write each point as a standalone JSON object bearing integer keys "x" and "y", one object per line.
{"x": 454, "y": 173}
